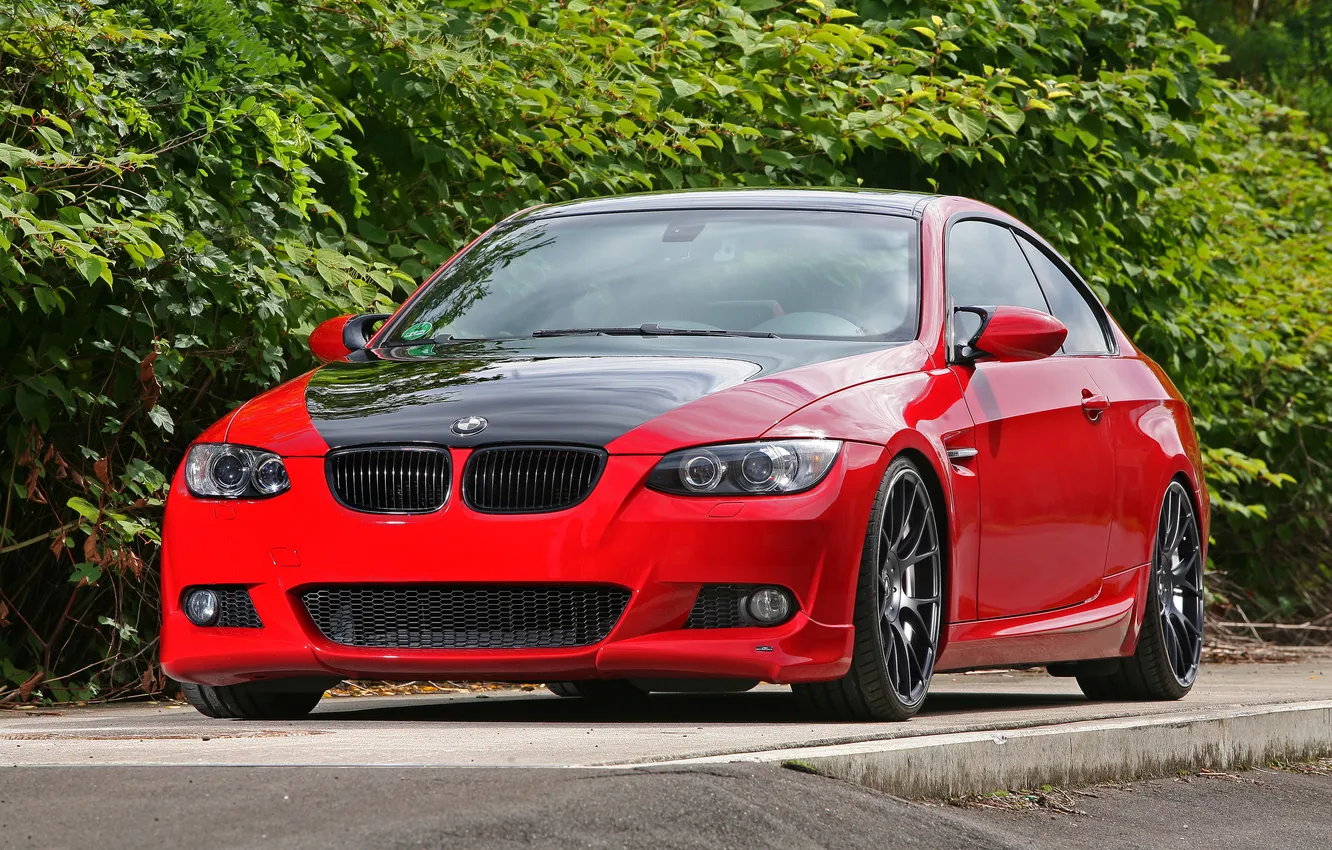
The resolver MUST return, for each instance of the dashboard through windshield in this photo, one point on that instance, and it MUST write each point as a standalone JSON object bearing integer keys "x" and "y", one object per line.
{"x": 764, "y": 273}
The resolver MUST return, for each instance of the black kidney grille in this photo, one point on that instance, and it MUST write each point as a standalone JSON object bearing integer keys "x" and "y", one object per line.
{"x": 393, "y": 479}
{"x": 719, "y": 606}
{"x": 465, "y": 616}
{"x": 530, "y": 479}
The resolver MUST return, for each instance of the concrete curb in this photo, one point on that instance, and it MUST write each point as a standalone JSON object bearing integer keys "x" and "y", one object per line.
{"x": 1067, "y": 754}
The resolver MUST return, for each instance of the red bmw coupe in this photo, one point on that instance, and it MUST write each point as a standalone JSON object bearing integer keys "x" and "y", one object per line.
{"x": 693, "y": 441}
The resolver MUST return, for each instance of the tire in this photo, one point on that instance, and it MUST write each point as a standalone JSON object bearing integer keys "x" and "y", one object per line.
{"x": 606, "y": 690}
{"x": 903, "y": 546}
{"x": 563, "y": 689}
{"x": 1164, "y": 666}
{"x": 251, "y": 701}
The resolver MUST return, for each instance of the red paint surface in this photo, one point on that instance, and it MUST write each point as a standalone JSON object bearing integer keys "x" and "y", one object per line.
{"x": 1019, "y": 333}
{"x": 326, "y": 341}
{"x": 1049, "y": 524}
{"x": 1047, "y": 481}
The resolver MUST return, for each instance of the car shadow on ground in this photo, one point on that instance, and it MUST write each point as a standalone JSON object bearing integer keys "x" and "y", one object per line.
{"x": 768, "y": 706}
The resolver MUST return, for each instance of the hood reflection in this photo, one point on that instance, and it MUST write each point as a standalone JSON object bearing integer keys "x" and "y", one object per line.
{"x": 584, "y": 390}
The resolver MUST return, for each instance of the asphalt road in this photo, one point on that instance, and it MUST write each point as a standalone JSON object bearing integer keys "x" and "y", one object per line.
{"x": 1270, "y": 809}
{"x": 726, "y": 806}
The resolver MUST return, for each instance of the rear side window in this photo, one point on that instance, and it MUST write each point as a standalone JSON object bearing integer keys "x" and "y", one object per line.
{"x": 1086, "y": 334}
{"x": 985, "y": 266}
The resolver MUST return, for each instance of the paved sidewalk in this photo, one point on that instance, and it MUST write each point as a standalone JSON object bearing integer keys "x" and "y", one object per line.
{"x": 515, "y": 728}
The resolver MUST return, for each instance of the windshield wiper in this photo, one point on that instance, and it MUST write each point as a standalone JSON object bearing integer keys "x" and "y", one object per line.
{"x": 649, "y": 329}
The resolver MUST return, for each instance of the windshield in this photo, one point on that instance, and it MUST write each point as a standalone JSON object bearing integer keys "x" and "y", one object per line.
{"x": 780, "y": 273}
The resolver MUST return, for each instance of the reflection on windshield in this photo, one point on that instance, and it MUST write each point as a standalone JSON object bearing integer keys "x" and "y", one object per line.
{"x": 762, "y": 272}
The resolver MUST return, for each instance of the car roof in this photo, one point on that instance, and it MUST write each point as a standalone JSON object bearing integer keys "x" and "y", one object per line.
{"x": 839, "y": 200}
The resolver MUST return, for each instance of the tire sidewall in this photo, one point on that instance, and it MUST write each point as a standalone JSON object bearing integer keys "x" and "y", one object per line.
{"x": 868, "y": 598}
{"x": 1153, "y": 615}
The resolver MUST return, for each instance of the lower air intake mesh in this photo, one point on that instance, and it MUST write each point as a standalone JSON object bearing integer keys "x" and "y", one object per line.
{"x": 719, "y": 606}
{"x": 235, "y": 609}
{"x": 465, "y": 616}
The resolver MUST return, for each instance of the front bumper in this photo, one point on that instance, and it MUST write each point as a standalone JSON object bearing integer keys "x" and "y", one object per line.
{"x": 662, "y": 548}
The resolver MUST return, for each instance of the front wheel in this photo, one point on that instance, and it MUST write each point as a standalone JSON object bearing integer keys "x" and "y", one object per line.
{"x": 899, "y": 608}
{"x": 606, "y": 690}
{"x": 1165, "y": 664}
{"x": 253, "y": 700}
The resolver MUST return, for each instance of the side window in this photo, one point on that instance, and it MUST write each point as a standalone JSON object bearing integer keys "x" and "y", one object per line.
{"x": 986, "y": 266}
{"x": 1086, "y": 334}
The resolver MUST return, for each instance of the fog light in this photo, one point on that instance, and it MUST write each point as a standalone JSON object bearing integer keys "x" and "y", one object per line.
{"x": 201, "y": 607}
{"x": 769, "y": 605}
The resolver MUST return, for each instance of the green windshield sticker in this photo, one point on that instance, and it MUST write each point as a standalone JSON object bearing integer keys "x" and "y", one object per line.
{"x": 417, "y": 331}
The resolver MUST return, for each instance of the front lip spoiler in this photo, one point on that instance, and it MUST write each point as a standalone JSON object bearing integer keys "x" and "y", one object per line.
{"x": 797, "y": 651}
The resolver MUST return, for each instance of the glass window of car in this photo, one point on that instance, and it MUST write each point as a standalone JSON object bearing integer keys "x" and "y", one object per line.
{"x": 986, "y": 267}
{"x": 798, "y": 273}
{"x": 1086, "y": 333}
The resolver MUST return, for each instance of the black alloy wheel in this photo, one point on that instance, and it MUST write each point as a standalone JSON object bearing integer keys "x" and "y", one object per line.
{"x": 899, "y": 608}
{"x": 1165, "y": 664}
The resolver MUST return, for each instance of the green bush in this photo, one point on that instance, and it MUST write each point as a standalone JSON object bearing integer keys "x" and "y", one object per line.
{"x": 1281, "y": 47}
{"x": 189, "y": 187}
{"x": 1260, "y": 381}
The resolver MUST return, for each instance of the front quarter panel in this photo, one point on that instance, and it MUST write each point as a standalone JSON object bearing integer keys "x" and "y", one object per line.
{"x": 747, "y": 410}
{"x": 924, "y": 414}
{"x": 279, "y": 422}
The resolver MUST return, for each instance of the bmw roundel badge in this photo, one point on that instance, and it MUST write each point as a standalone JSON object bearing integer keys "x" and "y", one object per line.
{"x": 469, "y": 425}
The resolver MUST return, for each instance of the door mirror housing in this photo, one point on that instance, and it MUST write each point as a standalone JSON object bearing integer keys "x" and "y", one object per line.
{"x": 1012, "y": 334}
{"x": 338, "y": 337}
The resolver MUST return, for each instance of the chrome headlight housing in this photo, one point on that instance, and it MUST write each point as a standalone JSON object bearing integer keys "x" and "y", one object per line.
{"x": 769, "y": 467}
{"x": 224, "y": 471}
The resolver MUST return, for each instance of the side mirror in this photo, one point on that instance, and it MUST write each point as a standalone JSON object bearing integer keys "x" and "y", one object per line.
{"x": 1011, "y": 334}
{"x": 335, "y": 338}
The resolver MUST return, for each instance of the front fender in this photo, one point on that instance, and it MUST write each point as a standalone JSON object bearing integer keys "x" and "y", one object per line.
{"x": 923, "y": 414}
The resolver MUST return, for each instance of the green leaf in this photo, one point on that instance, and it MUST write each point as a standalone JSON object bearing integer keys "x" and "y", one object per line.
{"x": 372, "y": 231}
{"x": 781, "y": 159}
{"x": 161, "y": 417}
{"x": 90, "y": 267}
{"x": 1011, "y": 117}
{"x": 85, "y": 509}
{"x": 86, "y": 573}
{"x": 931, "y": 149}
{"x": 31, "y": 406}
{"x": 127, "y": 632}
{"x": 15, "y": 156}
{"x": 684, "y": 88}
{"x": 972, "y": 124}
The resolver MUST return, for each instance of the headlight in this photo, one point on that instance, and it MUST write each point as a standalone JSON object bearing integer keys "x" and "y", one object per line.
{"x": 224, "y": 471}
{"x": 746, "y": 469}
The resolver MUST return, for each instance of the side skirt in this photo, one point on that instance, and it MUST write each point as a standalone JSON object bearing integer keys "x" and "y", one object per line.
{"x": 1105, "y": 627}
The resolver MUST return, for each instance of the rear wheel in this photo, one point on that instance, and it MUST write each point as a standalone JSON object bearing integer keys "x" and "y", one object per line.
{"x": 899, "y": 608}
{"x": 1165, "y": 664}
{"x": 252, "y": 700}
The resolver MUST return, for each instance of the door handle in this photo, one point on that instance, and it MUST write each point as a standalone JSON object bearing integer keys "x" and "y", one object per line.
{"x": 1094, "y": 404}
